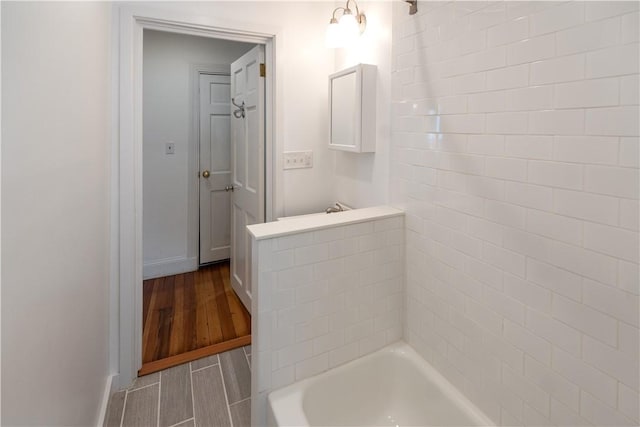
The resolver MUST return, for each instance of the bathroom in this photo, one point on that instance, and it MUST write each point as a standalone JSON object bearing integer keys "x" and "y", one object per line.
{"x": 497, "y": 216}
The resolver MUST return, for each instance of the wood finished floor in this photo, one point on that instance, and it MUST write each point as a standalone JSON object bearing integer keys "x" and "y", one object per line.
{"x": 189, "y": 316}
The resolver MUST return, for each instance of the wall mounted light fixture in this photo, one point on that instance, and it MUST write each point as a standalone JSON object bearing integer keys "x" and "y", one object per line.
{"x": 344, "y": 31}
{"x": 413, "y": 6}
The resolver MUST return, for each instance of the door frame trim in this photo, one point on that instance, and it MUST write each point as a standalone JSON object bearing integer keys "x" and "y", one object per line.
{"x": 126, "y": 261}
{"x": 193, "y": 163}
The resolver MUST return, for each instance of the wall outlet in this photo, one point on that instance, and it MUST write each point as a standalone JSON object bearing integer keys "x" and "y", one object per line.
{"x": 170, "y": 148}
{"x": 298, "y": 159}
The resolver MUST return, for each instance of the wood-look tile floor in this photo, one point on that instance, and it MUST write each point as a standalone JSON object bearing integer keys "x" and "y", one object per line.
{"x": 191, "y": 315}
{"x": 213, "y": 391}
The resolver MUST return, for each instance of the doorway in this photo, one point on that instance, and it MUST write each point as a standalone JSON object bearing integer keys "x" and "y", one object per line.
{"x": 126, "y": 196}
{"x": 214, "y": 95}
{"x": 202, "y": 158}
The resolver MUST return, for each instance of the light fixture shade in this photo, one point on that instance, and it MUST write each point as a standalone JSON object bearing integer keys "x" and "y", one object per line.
{"x": 349, "y": 29}
{"x": 333, "y": 38}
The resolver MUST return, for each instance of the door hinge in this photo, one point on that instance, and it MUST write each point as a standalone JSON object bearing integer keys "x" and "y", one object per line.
{"x": 263, "y": 70}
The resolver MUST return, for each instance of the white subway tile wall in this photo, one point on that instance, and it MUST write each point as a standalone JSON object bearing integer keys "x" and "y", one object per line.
{"x": 515, "y": 155}
{"x": 324, "y": 298}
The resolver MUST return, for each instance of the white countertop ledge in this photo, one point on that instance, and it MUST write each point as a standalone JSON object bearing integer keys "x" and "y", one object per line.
{"x": 270, "y": 230}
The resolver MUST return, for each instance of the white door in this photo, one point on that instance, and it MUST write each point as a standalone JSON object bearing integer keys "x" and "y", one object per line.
{"x": 215, "y": 168}
{"x": 247, "y": 164}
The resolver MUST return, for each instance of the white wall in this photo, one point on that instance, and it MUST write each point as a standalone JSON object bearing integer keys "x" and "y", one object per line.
{"x": 55, "y": 135}
{"x": 515, "y": 154}
{"x": 362, "y": 180}
{"x": 306, "y": 64}
{"x": 167, "y": 105}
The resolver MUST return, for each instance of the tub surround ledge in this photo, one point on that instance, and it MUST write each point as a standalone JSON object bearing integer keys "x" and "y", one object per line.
{"x": 306, "y": 223}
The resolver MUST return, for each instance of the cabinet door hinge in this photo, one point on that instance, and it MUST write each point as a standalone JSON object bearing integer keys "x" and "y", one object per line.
{"x": 263, "y": 70}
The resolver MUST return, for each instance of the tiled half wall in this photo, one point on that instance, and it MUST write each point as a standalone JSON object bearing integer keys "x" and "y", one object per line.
{"x": 327, "y": 292}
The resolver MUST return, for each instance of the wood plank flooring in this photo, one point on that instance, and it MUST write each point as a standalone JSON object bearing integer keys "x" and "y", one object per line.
{"x": 191, "y": 315}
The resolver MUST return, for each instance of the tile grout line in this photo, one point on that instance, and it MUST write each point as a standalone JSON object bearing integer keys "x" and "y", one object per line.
{"x": 224, "y": 389}
{"x": 159, "y": 394}
{"x": 143, "y": 387}
{"x": 183, "y": 421}
{"x": 203, "y": 368}
{"x": 193, "y": 399}
{"x": 124, "y": 406}
{"x": 240, "y": 401}
{"x": 246, "y": 357}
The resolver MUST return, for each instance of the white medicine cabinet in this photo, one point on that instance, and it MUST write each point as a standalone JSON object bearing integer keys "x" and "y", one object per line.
{"x": 352, "y": 109}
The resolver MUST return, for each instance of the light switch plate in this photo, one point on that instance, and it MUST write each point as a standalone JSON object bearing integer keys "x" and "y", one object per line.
{"x": 170, "y": 148}
{"x": 298, "y": 159}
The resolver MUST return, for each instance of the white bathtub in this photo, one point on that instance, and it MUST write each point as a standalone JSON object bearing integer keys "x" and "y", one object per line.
{"x": 392, "y": 387}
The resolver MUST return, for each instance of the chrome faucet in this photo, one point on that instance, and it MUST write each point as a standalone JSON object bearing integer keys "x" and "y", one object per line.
{"x": 337, "y": 208}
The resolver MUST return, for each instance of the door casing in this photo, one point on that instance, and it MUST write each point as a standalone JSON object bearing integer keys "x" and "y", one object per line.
{"x": 129, "y": 21}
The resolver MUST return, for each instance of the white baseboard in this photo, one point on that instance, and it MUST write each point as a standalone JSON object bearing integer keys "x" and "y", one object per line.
{"x": 106, "y": 395}
{"x": 169, "y": 266}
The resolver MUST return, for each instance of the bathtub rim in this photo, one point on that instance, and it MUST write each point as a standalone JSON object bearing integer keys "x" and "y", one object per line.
{"x": 289, "y": 399}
